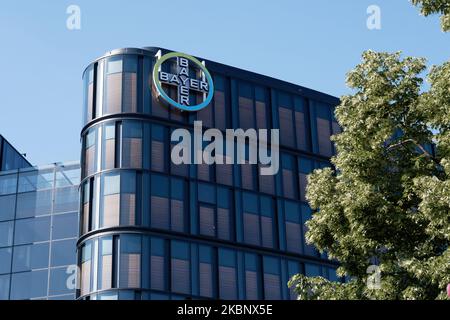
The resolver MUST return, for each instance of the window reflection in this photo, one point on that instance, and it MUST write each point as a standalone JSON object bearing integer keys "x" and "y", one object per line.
{"x": 90, "y": 152}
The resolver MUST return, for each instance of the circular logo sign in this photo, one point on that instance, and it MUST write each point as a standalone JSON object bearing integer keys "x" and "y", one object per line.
{"x": 183, "y": 82}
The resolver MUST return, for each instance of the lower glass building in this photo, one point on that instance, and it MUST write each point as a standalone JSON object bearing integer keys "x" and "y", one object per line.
{"x": 38, "y": 232}
{"x": 130, "y": 222}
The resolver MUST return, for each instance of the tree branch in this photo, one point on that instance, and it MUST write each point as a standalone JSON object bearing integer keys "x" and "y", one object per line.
{"x": 402, "y": 144}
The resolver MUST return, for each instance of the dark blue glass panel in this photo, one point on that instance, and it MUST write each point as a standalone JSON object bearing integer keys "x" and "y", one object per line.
{"x": 160, "y": 186}
{"x": 180, "y": 250}
{"x": 292, "y": 211}
{"x": 65, "y": 226}
{"x": 63, "y": 252}
{"x": 250, "y": 202}
{"x": 206, "y": 193}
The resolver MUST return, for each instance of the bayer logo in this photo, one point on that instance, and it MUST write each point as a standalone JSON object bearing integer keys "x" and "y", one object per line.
{"x": 183, "y": 81}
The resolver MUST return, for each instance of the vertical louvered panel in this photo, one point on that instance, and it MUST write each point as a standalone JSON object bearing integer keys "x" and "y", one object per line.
{"x": 109, "y": 154}
{"x": 160, "y": 212}
{"x": 86, "y": 217}
{"x": 267, "y": 231}
{"x": 128, "y": 209}
{"x": 132, "y": 153}
{"x": 266, "y": 184}
{"x": 224, "y": 173}
{"x": 251, "y": 285}
{"x": 293, "y": 237}
{"x": 129, "y": 94}
{"x": 246, "y": 117}
{"x": 288, "y": 184}
{"x": 227, "y": 283}
{"x": 181, "y": 276}
{"x": 323, "y": 137}
{"x": 261, "y": 119}
{"x": 272, "y": 287}
{"x": 205, "y": 115}
{"x": 157, "y": 272}
{"x": 206, "y": 285}
{"x": 113, "y": 93}
{"x": 130, "y": 270}
{"x": 219, "y": 106}
{"x": 157, "y": 156}
{"x": 111, "y": 210}
{"x": 251, "y": 229}
{"x": 286, "y": 127}
{"x": 177, "y": 216}
{"x": 178, "y": 169}
{"x": 223, "y": 224}
{"x": 90, "y": 160}
{"x": 300, "y": 128}
{"x": 203, "y": 171}
{"x": 85, "y": 277}
{"x": 207, "y": 227}
{"x": 247, "y": 176}
{"x": 106, "y": 276}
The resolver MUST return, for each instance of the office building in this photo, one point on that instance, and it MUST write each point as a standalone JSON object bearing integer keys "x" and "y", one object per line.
{"x": 138, "y": 225}
{"x": 153, "y": 229}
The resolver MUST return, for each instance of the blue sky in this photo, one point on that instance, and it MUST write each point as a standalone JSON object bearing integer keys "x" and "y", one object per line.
{"x": 311, "y": 43}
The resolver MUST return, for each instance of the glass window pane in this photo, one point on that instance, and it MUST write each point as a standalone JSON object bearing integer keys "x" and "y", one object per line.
{"x": 6, "y": 233}
{"x": 272, "y": 281}
{"x": 58, "y": 282}
{"x": 29, "y": 285}
{"x": 181, "y": 273}
{"x": 158, "y": 150}
{"x": 5, "y": 260}
{"x": 36, "y": 180}
{"x": 32, "y": 204}
{"x": 8, "y": 184}
{"x": 132, "y": 144}
{"x": 86, "y": 265}
{"x": 30, "y": 257}
{"x": 206, "y": 286}
{"x": 287, "y": 137}
{"x": 105, "y": 263}
{"x": 63, "y": 252}
{"x": 7, "y": 207}
{"x": 32, "y": 230}
{"x": 227, "y": 274}
{"x": 206, "y": 193}
{"x": 109, "y": 146}
{"x": 66, "y": 199}
{"x": 158, "y": 264}
{"x": 4, "y": 287}
{"x": 130, "y": 261}
{"x": 312, "y": 270}
{"x": 65, "y": 226}
{"x": 251, "y": 277}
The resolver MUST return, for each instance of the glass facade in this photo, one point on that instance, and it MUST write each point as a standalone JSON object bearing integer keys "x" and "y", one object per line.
{"x": 38, "y": 232}
{"x": 10, "y": 158}
{"x": 150, "y": 229}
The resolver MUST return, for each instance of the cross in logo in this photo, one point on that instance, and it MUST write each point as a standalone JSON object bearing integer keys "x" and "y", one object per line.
{"x": 183, "y": 82}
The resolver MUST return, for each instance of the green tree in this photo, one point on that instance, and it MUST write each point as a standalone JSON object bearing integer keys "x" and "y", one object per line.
{"x": 387, "y": 199}
{"x": 442, "y": 7}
